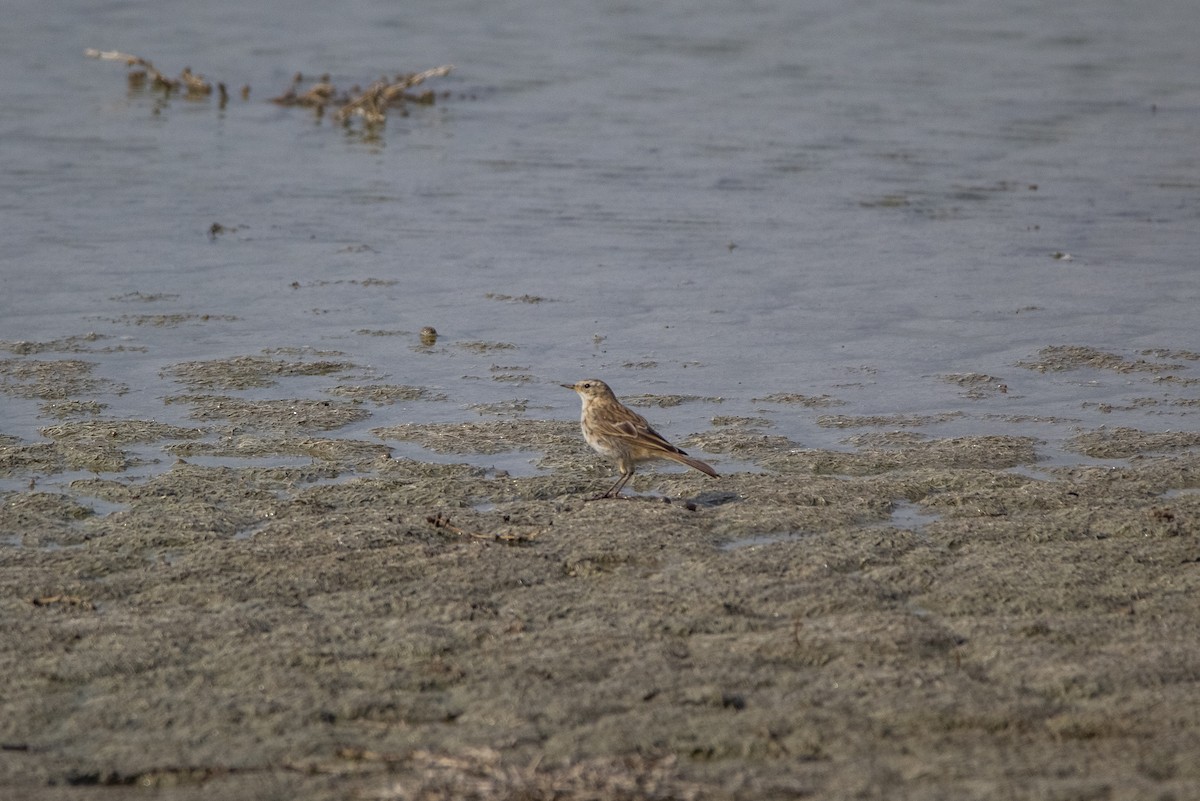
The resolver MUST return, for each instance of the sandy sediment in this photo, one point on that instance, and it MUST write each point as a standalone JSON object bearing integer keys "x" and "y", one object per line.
{"x": 909, "y": 618}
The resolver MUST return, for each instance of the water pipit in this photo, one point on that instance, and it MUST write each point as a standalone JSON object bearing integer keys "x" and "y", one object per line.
{"x": 623, "y": 436}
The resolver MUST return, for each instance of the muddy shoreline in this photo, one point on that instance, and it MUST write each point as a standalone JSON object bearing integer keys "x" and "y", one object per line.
{"x": 910, "y": 618}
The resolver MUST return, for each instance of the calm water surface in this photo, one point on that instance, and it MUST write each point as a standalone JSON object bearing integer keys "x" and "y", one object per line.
{"x": 710, "y": 199}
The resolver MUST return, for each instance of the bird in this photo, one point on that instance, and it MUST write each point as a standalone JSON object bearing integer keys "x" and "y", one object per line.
{"x": 623, "y": 436}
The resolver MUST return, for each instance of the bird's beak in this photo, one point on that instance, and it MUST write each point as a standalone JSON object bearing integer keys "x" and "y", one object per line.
{"x": 567, "y": 386}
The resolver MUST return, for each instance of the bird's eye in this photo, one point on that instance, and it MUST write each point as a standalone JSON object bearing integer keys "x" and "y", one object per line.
{"x": 587, "y": 385}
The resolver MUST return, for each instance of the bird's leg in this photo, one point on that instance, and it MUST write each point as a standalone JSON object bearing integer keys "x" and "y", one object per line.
{"x": 615, "y": 489}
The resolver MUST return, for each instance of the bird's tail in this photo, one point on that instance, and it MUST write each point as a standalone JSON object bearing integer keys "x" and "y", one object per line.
{"x": 683, "y": 458}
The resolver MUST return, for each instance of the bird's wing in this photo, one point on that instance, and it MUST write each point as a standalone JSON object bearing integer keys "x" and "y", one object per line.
{"x": 645, "y": 435}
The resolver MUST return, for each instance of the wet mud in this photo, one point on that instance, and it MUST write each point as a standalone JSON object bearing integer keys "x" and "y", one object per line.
{"x": 910, "y": 617}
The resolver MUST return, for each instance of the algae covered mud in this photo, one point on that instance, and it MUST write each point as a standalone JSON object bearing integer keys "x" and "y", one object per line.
{"x": 239, "y": 602}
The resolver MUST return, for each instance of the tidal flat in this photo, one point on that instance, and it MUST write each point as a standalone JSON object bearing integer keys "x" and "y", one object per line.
{"x": 911, "y": 617}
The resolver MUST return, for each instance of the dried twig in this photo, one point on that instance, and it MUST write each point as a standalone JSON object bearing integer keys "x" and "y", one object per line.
{"x": 66, "y": 600}
{"x": 319, "y": 94}
{"x": 160, "y": 80}
{"x": 441, "y": 521}
{"x": 372, "y": 103}
{"x": 116, "y": 55}
{"x": 485, "y": 773}
{"x": 195, "y": 84}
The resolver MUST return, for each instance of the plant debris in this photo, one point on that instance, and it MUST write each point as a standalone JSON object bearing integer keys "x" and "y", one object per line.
{"x": 371, "y": 104}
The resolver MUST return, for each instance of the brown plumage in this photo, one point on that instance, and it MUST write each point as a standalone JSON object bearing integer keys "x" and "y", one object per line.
{"x": 622, "y": 435}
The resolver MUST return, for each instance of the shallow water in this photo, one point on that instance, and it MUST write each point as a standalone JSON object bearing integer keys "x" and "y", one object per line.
{"x": 719, "y": 201}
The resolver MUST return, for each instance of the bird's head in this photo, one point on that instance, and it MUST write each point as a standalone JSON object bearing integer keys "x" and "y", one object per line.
{"x": 590, "y": 388}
